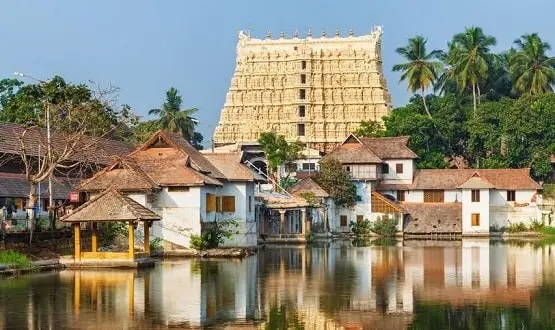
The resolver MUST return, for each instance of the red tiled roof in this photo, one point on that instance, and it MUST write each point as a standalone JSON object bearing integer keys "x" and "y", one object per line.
{"x": 390, "y": 147}
{"x": 510, "y": 179}
{"x": 353, "y": 151}
{"x": 90, "y": 149}
{"x": 229, "y": 164}
{"x": 15, "y": 185}
{"x": 121, "y": 175}
{"x": 110, "y": 205}
{"x": 308, "y": 185}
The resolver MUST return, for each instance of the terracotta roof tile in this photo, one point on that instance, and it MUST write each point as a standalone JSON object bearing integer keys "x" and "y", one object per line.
{"x": 390, "y": 147}
{"x": 353, "y": 153}
{"x": 308, "y": 185}
{"x": 110, "y": 205}
{"x": 229, "y": 164}
{"x": 96, "y": 150}
{"x": 121, "y": 175}
{"x": 511, "y": 179}
{"x": 280, "y": 201}
{"x": 476, "y": 182}
{"x": 432, "y": 218}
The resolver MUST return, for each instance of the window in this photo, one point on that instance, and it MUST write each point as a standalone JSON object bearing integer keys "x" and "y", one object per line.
{"x": 302, "y": 94}
{"x": 385, "y": 168}
{"x": 400, "y": 195}
{"x": 343, "y": 221}
{"x": 360, "y": 218}
{"x": 210, "y": 202}
{"x": 303, "y": 78}
{"x": 309, "y": 166}
{"x": 399, "y": 168}
{"x": 178, "y": 189}
{"x": 228, "y": 204}
{"x": 475, "y": 219}
{"x": 218, "y": 204}
{"x": 250, "y": 203}
{"x": 302, "y": 110}
{"x": 303, "y": 65}
{"x": 300, "y": 129}
{"x": 475, "y": 196}
{"x": 433, "y": 196}
{"x": 511, "y": 195}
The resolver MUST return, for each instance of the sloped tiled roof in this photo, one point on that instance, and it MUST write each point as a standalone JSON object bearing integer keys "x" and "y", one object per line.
{"x": 509, "y": 179}
{"x": 89, "y": 149}
{"x": 110, "y": 205}
{"x": 353, "y": 151}
{"x": 432, "y": 218}
{"x": 121, "y": 175}
{"x": 15, "y": 185}
{"x": 229, "y": 164}
{"x": 390, "y": 147}
{"x": 280, "y": 201}
{"x": 308, "y": 185}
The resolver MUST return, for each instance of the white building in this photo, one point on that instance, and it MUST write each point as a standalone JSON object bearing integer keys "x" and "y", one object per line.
{"x": 468, "y": 201}
{"x": 186, "y": 188}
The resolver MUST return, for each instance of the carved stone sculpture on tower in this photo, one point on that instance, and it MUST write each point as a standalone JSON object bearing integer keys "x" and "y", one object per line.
{"x": 320, "y": 90}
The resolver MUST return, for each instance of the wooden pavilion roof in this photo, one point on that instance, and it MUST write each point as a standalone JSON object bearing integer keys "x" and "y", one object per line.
{"x": 110, "y": 205}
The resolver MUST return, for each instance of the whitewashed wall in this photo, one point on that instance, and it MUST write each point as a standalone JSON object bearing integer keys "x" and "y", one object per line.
{"x": 503, "y": 213}
{"x": 414, "y": 196}
{"x": 481, "y": 207}
{"x": 398, "y": 178}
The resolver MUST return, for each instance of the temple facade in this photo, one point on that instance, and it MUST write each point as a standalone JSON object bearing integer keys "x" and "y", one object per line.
{"x": 316, "y": 90}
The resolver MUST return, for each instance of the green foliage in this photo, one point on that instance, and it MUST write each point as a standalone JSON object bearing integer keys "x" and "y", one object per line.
{"x": 156, "y": 244}
{"x": 421, "y": 72}
{"x": 174, "y": 119}
{"x": 309, "y": 236}
{"x": 385, "y": 226}
{"x": 278, "y": 151}
{"x": 370, "y": 128}
{"x": 109, "y": 232}
{"x": 309, "y": 197}
{"x": 517, "y": 227}
{"x": 213, "y": 234}
{"x": 360, "y": 228}
{"x": 335, "y": 181}
{"x": 14, "y": 259}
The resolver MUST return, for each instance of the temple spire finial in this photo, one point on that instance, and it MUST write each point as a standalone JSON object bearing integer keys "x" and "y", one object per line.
{"x": 309, "y": 32}
{"x": 337, "y": 33}
{"x": 351, "y": 33}
{"x": 296, "y": 34}
{"x": 268, "y": 35}
{"x": 323, "y": 33}
{"x": 282, "y": 35}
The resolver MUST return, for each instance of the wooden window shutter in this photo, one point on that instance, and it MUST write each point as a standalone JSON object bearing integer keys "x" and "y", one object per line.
{"x": 228, "y": 203}
{"x": 433, "y": 196}
{"x": 360, "y": 218}
{"x": 210, "y": 202}
{"x": 343, "y": 221}
{"x": 475, "y": 219}
{"x": 218, "y": 204}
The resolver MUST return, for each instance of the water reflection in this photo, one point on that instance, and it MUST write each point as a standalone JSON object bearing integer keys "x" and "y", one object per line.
{"x": 448, "y": 285}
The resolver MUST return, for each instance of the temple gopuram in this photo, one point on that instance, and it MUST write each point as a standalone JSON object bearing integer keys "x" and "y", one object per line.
{"x": 315, "y": 89}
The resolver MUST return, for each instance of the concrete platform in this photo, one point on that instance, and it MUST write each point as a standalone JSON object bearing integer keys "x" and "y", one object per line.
{"x": 70, "y": 263}
{"x": 283, "y": 239}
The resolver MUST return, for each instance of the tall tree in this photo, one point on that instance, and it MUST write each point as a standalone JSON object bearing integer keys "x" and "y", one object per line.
{"x": 533, "y": 72}
{"x": 278, "y": 152}
{"x": 471, "y": 59}
{"x": 421, "y": 71}
{"x": 174, "y": 119}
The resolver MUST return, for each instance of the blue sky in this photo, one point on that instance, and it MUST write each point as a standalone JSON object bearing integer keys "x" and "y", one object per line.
{"x": 145, "y": 47}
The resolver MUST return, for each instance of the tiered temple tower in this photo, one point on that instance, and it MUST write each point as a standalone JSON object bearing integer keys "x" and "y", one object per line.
{"x": 316, "y": 90}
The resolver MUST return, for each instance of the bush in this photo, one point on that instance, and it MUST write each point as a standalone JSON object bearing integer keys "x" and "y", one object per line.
{"x": 108, "y": 232}
{"x": 385, "y": 226}
{"x": 309, "y": 236}
{"x": 517, "y": 227}
{"x": 14, "y": 259}
{"x": 536, "y": 225}
{"x": 156, "y": 244}
{"x": 361, "y": 228}
{"x": 213, "y": 234}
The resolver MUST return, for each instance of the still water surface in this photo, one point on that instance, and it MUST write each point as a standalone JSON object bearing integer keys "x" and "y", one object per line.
{"x": 473, "y": 284}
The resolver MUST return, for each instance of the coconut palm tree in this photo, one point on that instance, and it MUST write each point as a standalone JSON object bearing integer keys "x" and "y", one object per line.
{"x": 174, "y": 119}
{"x": 533, "y": 72}
{"x": 420, "y": 71}
{"x": 472, "y": 59}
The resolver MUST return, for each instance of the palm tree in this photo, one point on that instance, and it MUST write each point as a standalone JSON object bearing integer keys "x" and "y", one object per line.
{"x": 420, "y": 71}
{"x": 174, "y": 119}
{"x": 472, "y": 59}
{"x": 533, "y": 72}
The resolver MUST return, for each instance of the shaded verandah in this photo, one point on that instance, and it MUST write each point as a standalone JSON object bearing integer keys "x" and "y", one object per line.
{"x": 111, "y": 206}
{"x": 284, "y": 215}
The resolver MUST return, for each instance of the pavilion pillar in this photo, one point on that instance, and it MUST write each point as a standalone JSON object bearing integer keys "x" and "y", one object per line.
{"x": 77, "y": 241}
{"x": 146, "y": 230}
{"x": 282, "y": 221}
{"x": 303, "y": 221}
{"x": 131, "y": 252}
{"x": 94, "y": 239}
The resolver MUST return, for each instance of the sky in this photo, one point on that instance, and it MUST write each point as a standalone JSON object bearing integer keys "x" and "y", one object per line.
{"x": 145, "y": 47}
